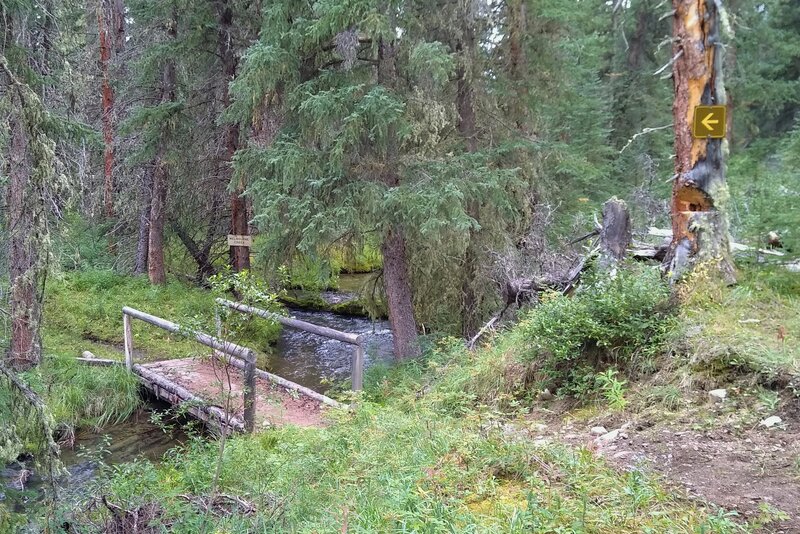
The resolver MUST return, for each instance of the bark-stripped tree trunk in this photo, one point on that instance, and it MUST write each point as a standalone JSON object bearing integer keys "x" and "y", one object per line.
{"x": 397, "y": 282}
{"x": 465, "y": 105}
{"x": 155, "y": 245}
{"x": 24, "y": 350}
{"x": 240, "y": 256}
{"x": 699, "y": 220}
{"x": 615, "y": 234}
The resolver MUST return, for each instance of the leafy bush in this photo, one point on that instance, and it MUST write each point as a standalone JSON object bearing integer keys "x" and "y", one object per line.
{"x": 621, "y": 321}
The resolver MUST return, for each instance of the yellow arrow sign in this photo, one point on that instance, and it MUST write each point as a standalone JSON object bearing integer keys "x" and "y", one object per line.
{"x": 709, "y": 122}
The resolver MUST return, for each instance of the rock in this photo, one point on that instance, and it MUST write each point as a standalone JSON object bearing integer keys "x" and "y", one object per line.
{"x": 608, "y": 437}
{"x": 718, "y": 395}
{"x": 771, "y": 421}
{"x": 546, "y": 395}
{"x": 598, "y": 430}
{"x": 88, "y": 355}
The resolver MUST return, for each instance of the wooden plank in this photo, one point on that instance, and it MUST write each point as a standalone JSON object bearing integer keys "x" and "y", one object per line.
{"x": 177, "y": 394}
{"x": 324, "y": 331}
{"x": 249, "y": 394}
{"x": 357, "y": 369}
{"x": 100, "y": 362}
{"x": 288, "y": 384}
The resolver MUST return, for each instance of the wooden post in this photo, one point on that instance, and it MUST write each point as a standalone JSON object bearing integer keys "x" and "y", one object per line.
{"x": 249, "y": 392}
{"x": 128, "y": 335}
{"x": 358, "y": 368}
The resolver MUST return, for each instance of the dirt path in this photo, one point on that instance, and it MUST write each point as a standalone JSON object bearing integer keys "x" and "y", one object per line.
{"x": 749, "y": 469}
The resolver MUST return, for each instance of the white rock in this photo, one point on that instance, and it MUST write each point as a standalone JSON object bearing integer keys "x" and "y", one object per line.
{"x": 598, "y": 430}
{"x": 771, "y": 421}
{"x": 546, "y": 395}
{"x": 608, "y": 437}
{"x": 718, "y": 395}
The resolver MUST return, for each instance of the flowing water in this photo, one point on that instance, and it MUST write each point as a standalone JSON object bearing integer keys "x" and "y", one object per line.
{"x": 316, "y": 362}
{"x": 307, "y": 359}
{"x": 139, "y": 437}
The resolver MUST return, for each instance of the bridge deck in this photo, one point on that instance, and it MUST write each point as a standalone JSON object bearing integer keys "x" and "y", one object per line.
{"x": 212, "y": 381}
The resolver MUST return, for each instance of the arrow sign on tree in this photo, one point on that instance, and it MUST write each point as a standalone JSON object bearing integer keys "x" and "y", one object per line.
{"x": 709, "y": 122}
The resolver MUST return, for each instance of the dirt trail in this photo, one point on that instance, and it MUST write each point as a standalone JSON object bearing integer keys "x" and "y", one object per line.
{"x": 745, "y": 469}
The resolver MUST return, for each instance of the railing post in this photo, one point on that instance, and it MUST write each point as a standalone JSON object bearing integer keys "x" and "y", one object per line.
{"x": 128, "y": 339}
{"x": 249, "y": 391}
{"x": 358, "y": 367}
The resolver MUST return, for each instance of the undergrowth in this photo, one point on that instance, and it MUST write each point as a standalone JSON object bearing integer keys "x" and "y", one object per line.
{"x": 750, "y": 329}
{"x": 386, "y": 469}
{"x": 83, "y": 311}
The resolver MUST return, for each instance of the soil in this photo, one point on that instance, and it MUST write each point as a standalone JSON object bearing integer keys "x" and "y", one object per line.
{"x": 743, "y": 468}
{"x": 275, "y": 405}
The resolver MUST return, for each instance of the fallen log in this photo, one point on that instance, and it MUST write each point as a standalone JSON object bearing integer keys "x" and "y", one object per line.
{"x": 666, "y": 232}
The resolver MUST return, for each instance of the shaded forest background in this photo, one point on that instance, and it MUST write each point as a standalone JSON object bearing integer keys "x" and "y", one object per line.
{"x": 447, "y": 143}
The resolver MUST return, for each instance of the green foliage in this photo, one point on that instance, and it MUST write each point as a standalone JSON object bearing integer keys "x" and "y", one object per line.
{"x": 613, "y": 389}
{"x": 371, "y": 471}
{"x": 79, "y": 396}
{"x": 765, "y": 185}
{"x": 83, "y": 311}
{"x": 750, "y": 329}
{"x": 621, "y": 320}
{"x": 244, "y": 328}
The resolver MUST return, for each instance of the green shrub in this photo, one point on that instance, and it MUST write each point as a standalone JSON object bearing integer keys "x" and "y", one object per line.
{"x": 620, "y": 321}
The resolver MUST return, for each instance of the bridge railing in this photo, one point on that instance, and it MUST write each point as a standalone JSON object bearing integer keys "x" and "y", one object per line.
{"x": 357, "y": 361}
{"x": 247, "y": 355}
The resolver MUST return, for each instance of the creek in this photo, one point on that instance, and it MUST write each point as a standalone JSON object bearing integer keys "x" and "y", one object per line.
{"x": 310, "y": 360}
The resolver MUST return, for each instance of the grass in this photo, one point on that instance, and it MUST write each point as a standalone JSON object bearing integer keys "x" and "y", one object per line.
{"x": 386, "y": 468}
{"x": 440, "y": 444}
{"x": 752, "y": 329}
{"x": 80, "y": 396}
{"x": 83, "y": 311}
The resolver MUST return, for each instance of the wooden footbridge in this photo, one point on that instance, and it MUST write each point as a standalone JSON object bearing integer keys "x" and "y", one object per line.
{"x": 224, "y": 388}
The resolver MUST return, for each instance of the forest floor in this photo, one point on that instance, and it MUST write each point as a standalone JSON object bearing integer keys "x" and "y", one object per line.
{"x": 717, "y": 453}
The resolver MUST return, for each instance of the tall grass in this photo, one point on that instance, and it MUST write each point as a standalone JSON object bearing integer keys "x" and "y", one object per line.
{"x": 77, "y": 395}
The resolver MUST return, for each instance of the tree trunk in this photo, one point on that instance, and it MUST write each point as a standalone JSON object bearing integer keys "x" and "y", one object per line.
{"x": 24, "y": 350}
{"x": 699, "y": 221}
{"x": 396, "y": 279}
{"x": 517, "y": 22}
{"x": 399, "y": 295}
{"x": 155, "y": 245}
{"x": 142, "y": 244}
{"x": 240, "y": 256}
{"x": 615, "y": 234}
{"x": 107, "y": 99}
{"x": 465, "y": 105}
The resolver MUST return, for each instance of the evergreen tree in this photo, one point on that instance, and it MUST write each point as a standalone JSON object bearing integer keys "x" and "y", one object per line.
{"x": 364, "y": 148}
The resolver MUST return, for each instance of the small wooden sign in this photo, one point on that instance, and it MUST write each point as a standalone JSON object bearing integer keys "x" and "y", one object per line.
{"x": 240, "y": 240}
{"x": 709, "y": 122}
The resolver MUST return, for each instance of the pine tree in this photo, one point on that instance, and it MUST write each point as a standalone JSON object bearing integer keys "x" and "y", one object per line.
{"x": 364, "y": 148}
